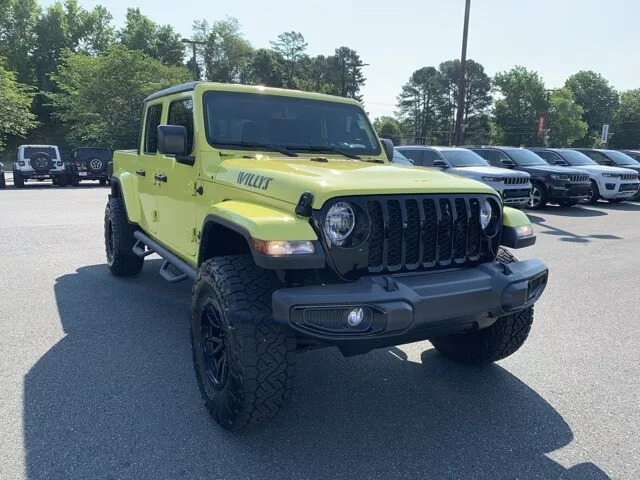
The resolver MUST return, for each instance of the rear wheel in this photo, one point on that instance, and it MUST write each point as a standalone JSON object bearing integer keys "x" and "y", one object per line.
{"x": 18, "y": 179}
{"x": 119, "y": 241}
{"x": 244, "y": 362}
{"x": 490, "y": 344}
{"x": 62, "y": 180}
{"x": 3, "y": 180}
{"x": 538, "y": 198}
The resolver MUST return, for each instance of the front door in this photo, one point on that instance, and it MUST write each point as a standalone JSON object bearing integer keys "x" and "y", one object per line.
{"x": 176, "y": 187}
{"x": 146, "y": 168}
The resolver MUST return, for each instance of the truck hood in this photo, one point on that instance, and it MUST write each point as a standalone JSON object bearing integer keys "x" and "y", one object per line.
{"x": 491, "y": 171}
{"x": 287, "y": 178}
{"x": 604, "y": 168}
{"x": 548, "y": 169}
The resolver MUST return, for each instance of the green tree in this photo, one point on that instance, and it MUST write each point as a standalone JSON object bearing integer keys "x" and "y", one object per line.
{"x": 160, "y": 42}
{"x": 100, "y": 32}
{"x": 388, "y": 127}
{"x": 522, "y": 99}
{"x": 291, "y": 47}
{"x": 266, "y": 69}
{"x": 98, "y": 98}
{"x": 477, "y": 99}
{"x": 227, "y": 54}
{"x": 18, "y": 19}
{"x": 346, "y": 78}
{"x": 597, "y": 98}
{"x": 15, "y": 112}
{"x": 565, "y": 119}
{"x": 626, "y": 122}
{"x": 420, "y": 102}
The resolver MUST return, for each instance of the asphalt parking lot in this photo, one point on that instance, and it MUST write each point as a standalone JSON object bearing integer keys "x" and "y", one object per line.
{"x": 96, "y": 378}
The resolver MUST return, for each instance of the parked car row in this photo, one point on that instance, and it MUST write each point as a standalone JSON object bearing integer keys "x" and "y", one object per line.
{"x": 44, "y": 162}
{"x": 536, "y": 176}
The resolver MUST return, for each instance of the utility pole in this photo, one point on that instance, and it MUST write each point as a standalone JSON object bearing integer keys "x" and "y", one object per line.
{"x": 463, "y": 72}
{"x": 193, "y": 44}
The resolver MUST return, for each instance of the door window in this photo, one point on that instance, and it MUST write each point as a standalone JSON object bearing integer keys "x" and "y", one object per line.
{"x": 154, "y": 113}
{"x": 550, "y": 157}
{"x": 415, "y": 155}
{"x": 429, "y": 157}
{"x": 181, "y": 113}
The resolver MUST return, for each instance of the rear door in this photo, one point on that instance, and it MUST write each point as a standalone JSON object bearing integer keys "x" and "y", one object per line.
{"x": 176, "y": 189}
{"x": 147, "y": 166}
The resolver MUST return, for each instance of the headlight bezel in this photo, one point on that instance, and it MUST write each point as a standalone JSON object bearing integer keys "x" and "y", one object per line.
{"x": 331, "y": 226}
{"x": 611, "y": 175}
{"x": 488, "y": 178}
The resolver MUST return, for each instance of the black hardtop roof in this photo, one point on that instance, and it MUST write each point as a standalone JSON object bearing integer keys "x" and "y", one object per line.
{"x": 184, "y": 87}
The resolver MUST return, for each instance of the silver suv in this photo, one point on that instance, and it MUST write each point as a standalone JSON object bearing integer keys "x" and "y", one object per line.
{"x": 39, "y": 162}
{"x": 512, "y": 185}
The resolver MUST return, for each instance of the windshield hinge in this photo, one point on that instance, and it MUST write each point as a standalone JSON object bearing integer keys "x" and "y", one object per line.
{"x": 303, "y": 209}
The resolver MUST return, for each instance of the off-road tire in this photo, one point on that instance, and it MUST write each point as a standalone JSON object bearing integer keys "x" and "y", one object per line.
{"x": 18, "y": 179}
{"x": 260, "y": 355}
{"x": 490, "y": 344}
{"x": 103, "y": 182}
{"x": 3, "y": 181}
{"x": 62, "y": 180}
{"x": 531, "y": 205}
{"x": 595, "y": 194}
{"x": 119, "y": 241}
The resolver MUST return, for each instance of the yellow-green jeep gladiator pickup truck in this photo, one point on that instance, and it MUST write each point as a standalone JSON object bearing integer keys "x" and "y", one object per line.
{"x": 283, "y": 208}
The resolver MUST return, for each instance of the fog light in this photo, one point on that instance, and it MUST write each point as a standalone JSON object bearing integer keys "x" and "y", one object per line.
{"x": 355, "y": 317}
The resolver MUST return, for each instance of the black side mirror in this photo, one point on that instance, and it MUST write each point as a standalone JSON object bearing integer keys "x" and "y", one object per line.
{"x": 507, "y": 163}
{"x": 172, "y": 140}
{"x": 388, "y": 148}
{"x": 440, "y": 164}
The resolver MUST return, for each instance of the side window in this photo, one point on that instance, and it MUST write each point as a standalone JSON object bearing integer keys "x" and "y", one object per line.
{"x": 154, "y": 113}
{"x": 599, "y": 158}
{"x": 429, "y": 157}
{"x": 181, "y": 113}
{"x": 415, "y": 155}
{"x": 550, "y": 157}
{"x": 491, "y": 156}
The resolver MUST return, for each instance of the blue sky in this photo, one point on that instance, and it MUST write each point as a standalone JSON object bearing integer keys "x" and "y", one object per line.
{"x": 554, "y": 37}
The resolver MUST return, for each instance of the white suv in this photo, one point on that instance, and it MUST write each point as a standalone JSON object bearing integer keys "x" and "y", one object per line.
{"x": 39, "y": 162}
{"x": 614, "y": 184}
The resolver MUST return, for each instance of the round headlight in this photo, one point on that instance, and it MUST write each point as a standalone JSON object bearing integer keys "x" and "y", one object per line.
{"x": 339, "y": 222}
{"x": 485, "y": 214}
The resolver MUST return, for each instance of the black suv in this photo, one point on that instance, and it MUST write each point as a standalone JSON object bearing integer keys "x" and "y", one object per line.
{"x": 635, "y": 154}
{"x": 89, "y": 163}
{"x": 551, "y": 184}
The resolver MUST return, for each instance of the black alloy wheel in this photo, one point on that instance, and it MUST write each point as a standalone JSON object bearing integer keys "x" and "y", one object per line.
{"x": 212, "y": 347}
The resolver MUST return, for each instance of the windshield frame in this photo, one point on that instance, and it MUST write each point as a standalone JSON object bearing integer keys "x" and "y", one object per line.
{"x": 208, "y": 97}
{"x": 513, "y": 154}
{"x": 566, "y": 153}
{"x": 464, "y": 151}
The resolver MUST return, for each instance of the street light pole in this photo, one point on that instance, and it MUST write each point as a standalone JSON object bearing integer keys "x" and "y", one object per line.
{"x": 193, "y": 44}
{"x": 462, "y": 81}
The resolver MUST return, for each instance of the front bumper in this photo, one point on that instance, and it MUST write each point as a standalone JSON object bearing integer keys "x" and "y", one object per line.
{"x": 618, "y": 190}
{"x": 409, "y": 307}
{"x": 572, "y": 192}
{"x": 32, "y": 174}
{"x": 515, "y": 196}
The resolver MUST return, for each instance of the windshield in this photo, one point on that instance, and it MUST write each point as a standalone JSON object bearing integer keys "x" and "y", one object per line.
{"x": 464, "y": 158}
{"x": 291, "y": 123}
{"x": 524, "y": 158}
{"x": 573, "y": 157}
{"x": 621, "y": 158}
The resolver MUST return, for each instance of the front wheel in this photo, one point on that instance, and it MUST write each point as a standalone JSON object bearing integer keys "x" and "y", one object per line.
{"x": 18, "y": 179}
{"x": 538, "y": 197}
{"x": 595, "y": 194}
{"x": 244, "y": 362}
{"x": 490, "y": 344}
{"x": 119, "y": 241}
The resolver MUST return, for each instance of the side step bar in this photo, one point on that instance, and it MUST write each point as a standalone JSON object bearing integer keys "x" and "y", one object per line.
{"x": 145, "y": 247}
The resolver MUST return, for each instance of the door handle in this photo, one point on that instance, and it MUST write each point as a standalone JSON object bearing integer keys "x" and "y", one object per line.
{"x": 160, "y": 177}
{"x": 142, "y": 173}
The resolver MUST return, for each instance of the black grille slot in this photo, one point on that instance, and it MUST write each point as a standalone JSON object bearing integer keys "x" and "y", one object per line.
{"x": 412, "y": 233}
{"x": 475, "y": 229}
{"x": 460, "y": 230}
{"x": 579, "y": 178}
{"x": 515, "y": 180}
{"x": 376, "y": 237}
{"x": 394, "y": 246}
{"x": 445, "y": 231}
{"x": 429, "y": 232}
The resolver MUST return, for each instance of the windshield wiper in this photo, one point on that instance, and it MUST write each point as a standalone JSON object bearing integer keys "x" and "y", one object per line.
{"x": 257, "y": 145}
{"x": 322, "y": 148}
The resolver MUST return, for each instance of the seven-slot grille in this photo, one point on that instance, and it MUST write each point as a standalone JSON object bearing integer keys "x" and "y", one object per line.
{"x": 579, "y": 178}
{"x": 410, "y": 233}
{"x": 516, "y": 180}
{"x": 629, "y": 176}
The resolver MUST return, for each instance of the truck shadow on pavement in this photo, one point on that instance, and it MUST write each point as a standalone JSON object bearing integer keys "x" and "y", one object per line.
{"x": 567, "y": 236}
{"x": 116, "y": 398}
